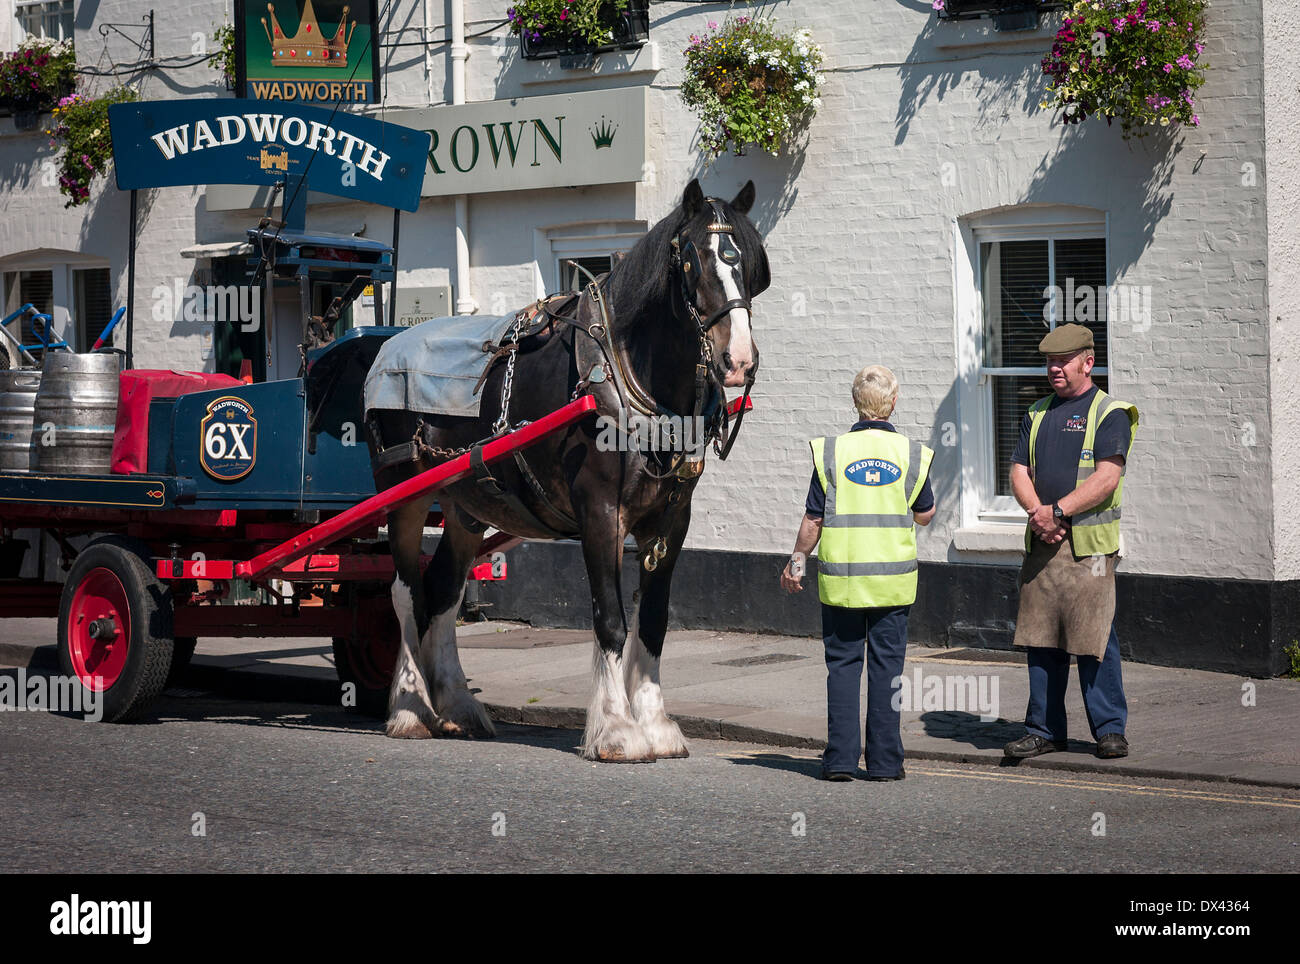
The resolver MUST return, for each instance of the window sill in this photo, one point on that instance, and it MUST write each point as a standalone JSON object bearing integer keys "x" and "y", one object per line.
{"x": 623, "y": 63}
{"x": 962, "y": 34}
{"x": 990, "y": 537}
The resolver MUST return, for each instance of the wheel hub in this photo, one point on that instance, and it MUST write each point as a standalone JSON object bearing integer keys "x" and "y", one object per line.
{"x": 99, "y": 629}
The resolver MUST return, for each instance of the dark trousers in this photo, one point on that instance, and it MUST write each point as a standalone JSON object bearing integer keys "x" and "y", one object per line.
{"x": 1101, "y": 682}
{"x": 844, "y": 631}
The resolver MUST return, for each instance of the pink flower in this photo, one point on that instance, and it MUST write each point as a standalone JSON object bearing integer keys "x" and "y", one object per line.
{"x": 1196, "y": 121}
{"x": 1153, "y": 26}
{"x": 1185, "y": 62}
{"x": 938, "y": 4}
{"x": 713, "y": 25}
{"x": 564, "y": 15}
{"x": 1169, "y": 68}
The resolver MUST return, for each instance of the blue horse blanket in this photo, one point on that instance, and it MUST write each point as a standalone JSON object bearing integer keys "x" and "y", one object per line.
{"x": 433, "y": 366}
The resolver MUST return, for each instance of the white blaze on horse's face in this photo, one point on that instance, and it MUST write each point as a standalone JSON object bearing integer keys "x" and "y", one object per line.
{"x": 740, "y": 347}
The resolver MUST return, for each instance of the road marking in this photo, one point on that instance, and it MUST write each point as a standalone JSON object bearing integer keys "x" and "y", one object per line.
{"x": 1137, "y": 789}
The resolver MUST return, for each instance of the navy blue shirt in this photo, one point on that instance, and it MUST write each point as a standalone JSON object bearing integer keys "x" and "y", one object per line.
{"x": 815, "y": 504}
{"x": 1060, "y": 442}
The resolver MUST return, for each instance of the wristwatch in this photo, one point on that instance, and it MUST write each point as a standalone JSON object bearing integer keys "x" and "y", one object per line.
{"x": 1057, "y": 513}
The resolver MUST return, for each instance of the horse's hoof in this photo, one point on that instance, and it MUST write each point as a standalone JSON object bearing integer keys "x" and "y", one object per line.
{"x": 615, "y": 754}
{"x": 451, "y": 731}
{"x": 407, "y": 726}
{"x": 681, "y": 754}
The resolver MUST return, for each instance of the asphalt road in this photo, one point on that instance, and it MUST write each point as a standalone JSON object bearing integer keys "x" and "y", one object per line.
{"x": 280, "y": 787}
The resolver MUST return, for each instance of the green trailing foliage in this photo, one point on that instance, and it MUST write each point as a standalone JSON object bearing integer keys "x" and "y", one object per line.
{"x": 86, "y": 148}
{"x": 581, "y": 22}
{"x": 751, "y": 84}
{"x": 1132, "y": 60}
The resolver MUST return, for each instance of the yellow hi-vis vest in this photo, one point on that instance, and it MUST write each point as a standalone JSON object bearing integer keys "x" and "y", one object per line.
{"x": 867, "y": 554}
{"x": 1096, "y": 531}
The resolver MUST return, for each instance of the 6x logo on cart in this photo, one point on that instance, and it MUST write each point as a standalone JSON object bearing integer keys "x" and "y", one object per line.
{"x": 229, "y": 439}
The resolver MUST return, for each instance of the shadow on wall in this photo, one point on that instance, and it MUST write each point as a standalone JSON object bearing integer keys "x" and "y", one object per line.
{"x": 1141, "y": 171}
{"x": 1141, "y": 179}
{"x": 999, "y": 76}
{"x": 774, "y": 179}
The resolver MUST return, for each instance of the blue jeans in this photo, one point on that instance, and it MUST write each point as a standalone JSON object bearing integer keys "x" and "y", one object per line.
{"x": 1101, "y": 682}
{"x": 844, "y": 632}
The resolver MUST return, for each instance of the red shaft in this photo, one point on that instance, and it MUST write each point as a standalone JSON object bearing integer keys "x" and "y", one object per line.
{"x": 373, "y": 510}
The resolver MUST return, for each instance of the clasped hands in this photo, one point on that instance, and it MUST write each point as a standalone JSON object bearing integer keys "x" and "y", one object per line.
{"x": 1046, "y": 526}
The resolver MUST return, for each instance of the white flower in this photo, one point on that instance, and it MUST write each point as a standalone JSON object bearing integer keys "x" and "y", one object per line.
{"x": 817, "y": 103}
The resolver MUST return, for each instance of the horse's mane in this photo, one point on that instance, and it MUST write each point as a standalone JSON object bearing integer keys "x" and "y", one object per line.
{"x": 644, "y": 277}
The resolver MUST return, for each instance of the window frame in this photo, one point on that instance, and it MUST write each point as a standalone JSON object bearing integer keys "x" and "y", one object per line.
{"x": 21, "y": 28}
{"x": 580, "y": 239}
{"x": 61, "y": 265}
{"x": 981, "y": 507}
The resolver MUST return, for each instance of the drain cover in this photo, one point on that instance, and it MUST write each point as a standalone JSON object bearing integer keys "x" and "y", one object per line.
{"x": 761, "y": 660}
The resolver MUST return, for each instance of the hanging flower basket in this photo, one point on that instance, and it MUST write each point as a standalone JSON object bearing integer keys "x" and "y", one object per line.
{"x": 751, "y": 84}
{"x": 1135, "y": 60}
{"x": 554, "y": 28}
{"x": 81, "y": 131}
{"x": 36, "y": 75}
{"x": 223, "y": 59}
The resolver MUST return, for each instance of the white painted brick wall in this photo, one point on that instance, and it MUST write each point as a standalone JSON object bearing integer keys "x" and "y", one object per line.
{"x": 859, "y": 228}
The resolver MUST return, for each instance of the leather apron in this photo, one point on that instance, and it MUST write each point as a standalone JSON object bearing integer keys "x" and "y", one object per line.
{"x": 1066, "y": 603}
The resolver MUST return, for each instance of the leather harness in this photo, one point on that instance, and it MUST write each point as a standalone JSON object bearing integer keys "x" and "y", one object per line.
{"x": 709, "y": 396}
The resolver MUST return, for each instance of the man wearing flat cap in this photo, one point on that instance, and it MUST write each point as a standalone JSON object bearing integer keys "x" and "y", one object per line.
{"x": 1068, "y": 474}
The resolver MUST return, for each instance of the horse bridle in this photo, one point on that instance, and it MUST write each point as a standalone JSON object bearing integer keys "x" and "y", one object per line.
{"x": 686, "y": 262}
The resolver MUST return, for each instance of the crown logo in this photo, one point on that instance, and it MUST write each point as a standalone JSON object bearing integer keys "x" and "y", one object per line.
{"x": 308, "y": 47}
{"x": 603, "y": 133}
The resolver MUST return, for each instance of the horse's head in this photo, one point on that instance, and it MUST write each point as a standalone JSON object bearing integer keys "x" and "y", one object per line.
{"x": 720, "y": 263}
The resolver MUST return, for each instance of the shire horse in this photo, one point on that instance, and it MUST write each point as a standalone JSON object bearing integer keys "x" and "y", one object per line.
{"x": 659, "y": 335}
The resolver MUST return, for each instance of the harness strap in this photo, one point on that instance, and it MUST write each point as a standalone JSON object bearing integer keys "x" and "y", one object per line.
{"x": 493, "y": 487}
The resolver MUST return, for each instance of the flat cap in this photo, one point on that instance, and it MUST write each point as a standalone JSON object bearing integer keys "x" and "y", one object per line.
{"x": 1065, "y": 339}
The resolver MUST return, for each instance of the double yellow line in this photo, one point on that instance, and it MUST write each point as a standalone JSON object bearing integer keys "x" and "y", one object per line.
{"x": 1004, "y": 775}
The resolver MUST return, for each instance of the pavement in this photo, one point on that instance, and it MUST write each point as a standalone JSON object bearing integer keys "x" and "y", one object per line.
{"x": 961, "y": 705}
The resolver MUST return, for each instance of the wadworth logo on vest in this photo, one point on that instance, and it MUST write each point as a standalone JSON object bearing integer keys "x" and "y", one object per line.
{"x": 873, "y": 472}
{"x": 560, "y": 140}
{"x": 222, "y": 141}
{"x": 310, "y": 50}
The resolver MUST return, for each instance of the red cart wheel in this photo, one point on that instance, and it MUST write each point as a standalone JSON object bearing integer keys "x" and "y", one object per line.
{"x": 115, "y": 629}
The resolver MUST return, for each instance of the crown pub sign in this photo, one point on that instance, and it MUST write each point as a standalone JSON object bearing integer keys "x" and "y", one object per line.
{"x": 318, "y": 51}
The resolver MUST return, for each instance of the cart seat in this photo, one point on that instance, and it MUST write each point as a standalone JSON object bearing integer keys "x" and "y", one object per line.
{"x": 137, "y": 387}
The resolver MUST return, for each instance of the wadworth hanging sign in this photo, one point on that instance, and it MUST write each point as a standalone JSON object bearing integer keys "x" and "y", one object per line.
{"x": 560, "y": 140}
{"x": 307, "y": 50}
{"x": 223, "y": 141}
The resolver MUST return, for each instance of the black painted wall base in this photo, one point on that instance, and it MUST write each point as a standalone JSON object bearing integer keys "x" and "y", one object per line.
{"x": 1233, "y": 626}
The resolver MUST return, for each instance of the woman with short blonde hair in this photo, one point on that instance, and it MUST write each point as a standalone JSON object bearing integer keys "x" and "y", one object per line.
{"x": 875, "y": 390}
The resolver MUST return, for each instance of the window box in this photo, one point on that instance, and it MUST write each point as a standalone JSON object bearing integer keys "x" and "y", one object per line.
{"x": 631, "y": 28}
{"x": 1006, "y": 14}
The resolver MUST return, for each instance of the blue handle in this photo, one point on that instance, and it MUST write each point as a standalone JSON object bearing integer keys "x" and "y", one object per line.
{"x": 25, "y": 308}
{"x": 117, "y": 316}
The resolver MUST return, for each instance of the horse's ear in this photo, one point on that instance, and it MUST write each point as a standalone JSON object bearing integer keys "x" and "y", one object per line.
{"x": 745, "y": 199}
{"x": 693, "y": 199}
